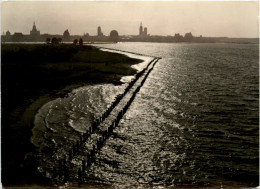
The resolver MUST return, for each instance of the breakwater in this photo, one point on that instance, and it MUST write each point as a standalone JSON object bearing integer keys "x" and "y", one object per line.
{"x": 79, "y": 158}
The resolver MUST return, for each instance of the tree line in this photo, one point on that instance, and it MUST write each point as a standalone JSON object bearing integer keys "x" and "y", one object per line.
{"x": 55, "y": 40}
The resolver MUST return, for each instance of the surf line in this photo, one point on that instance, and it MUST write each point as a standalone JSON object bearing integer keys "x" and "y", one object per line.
{"x": 139, "y": 54}
{"x": 91, "y": 142}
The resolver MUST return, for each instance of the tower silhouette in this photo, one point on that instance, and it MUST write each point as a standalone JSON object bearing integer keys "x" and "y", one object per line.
{"x": 141, "y": 29}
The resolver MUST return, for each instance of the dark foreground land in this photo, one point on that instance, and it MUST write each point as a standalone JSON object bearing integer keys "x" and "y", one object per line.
{"x": 35, "y": 74}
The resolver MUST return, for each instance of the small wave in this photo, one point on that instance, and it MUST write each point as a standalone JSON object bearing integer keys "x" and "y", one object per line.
{"x": 63, "y": 119}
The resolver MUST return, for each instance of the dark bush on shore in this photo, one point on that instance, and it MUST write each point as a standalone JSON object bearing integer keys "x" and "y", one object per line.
{"x": 80, "y": 41}
{"x": 75, "y": 41}
{"x": 48, "y": 40}
{"x": 55, "y": 40}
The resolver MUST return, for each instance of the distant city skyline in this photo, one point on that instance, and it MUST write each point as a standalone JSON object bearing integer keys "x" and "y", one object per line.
{"x": 212, "y": 19}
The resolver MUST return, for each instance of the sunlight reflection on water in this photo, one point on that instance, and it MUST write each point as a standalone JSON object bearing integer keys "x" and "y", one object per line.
{"x": 194, "y": 121}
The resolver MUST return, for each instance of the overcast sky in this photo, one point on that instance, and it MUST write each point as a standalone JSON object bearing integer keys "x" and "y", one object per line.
{"x": 230, "y": 19}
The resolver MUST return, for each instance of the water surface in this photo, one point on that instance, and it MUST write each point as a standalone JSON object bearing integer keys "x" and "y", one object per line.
{"x": 195, "y": 121}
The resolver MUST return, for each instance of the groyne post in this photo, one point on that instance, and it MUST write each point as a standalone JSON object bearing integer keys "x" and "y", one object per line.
{"x": 63, "y": 168}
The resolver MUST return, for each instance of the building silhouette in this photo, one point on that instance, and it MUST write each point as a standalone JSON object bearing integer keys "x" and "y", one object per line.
{"x": 66, "y": 35}
{"x": 178, "y": 38}
{"x": 188, "y": 37}
{"x": 145, "y": 31}
{"x": 17, "y": 37}
{"x": 34, "y": 32}
{"x": 114, "y": 36}
{"x": 142, "y": 31}
{"x": 8, "y": 36}
{"x": 143, "y": 36}
{"x": 99, "y": 32}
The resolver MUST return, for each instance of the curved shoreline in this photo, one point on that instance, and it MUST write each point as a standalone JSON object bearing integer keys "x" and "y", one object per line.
{"x": 139, "y": 67}
{"x": 53, "y": 111}
{"x": 124, "y": 79}
{"x": 17, "y": 125}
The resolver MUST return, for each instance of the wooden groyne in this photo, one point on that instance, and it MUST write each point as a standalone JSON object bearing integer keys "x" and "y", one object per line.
{"x": 93, "y": 139}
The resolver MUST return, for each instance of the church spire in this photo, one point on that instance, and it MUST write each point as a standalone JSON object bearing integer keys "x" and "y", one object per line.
{"x": 34, "y": 27}
{"x": 141, "y": 30}
{"x": 34, "y": 30}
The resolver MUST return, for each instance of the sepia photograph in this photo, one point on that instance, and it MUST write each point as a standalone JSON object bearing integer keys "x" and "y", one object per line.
{"x": 129, "y": 94}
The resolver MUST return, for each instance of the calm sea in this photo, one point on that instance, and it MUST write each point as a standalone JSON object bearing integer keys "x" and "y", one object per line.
{"x": 195, "y": 121}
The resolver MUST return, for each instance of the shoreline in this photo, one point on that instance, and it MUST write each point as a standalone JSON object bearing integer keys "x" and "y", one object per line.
{"x": 17, "y": 128}
{"x": 138, "y": 67}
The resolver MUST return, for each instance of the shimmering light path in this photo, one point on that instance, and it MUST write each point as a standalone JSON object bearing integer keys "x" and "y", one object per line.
{"x": 82, "y": 154}
{"x": 195, "y": 122}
